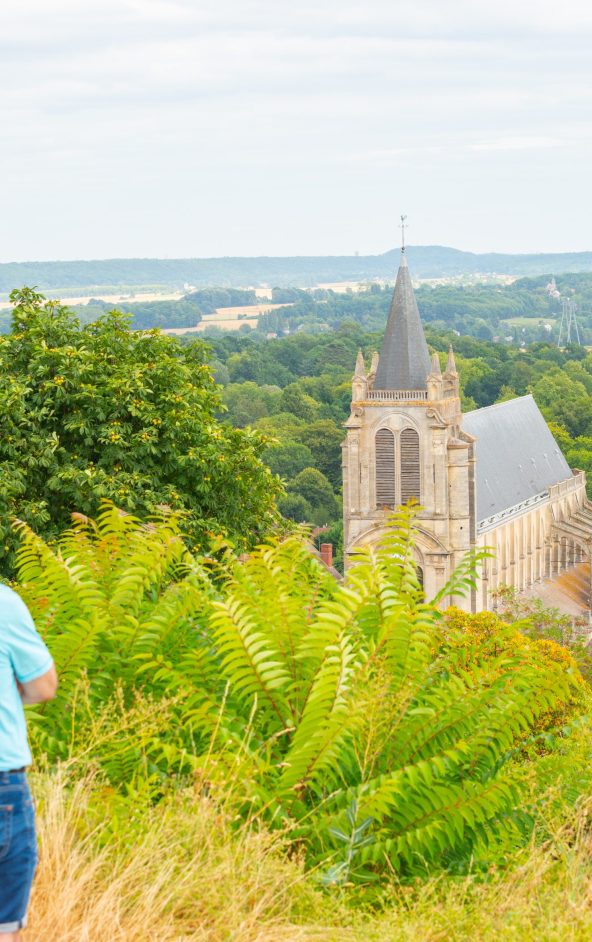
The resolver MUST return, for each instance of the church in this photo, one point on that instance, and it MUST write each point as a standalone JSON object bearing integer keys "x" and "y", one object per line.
{"x": 492, "y": 478}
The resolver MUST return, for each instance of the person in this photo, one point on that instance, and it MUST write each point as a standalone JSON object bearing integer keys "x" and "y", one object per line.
{"x": 27, "y": 675}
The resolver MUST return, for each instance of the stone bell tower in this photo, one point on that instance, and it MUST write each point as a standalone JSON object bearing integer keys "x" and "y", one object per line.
{"x": 404, "y": 442}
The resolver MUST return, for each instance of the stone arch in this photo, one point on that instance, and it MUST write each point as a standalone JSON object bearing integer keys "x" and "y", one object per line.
{"x": 396, "y": 421}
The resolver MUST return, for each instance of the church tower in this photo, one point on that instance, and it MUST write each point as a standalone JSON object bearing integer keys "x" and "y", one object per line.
{"x": 404, "y": 442}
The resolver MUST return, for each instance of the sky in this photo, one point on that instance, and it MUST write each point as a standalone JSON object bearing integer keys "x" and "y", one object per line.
{"x": 199, "y": 128}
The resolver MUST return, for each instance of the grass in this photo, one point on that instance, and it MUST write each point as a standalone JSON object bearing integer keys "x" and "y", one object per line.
{"x": 175, "y": 873}
{"x": 181, "y": 872}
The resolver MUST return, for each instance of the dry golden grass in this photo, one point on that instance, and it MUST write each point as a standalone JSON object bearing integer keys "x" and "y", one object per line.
{"x": 179, "y": 873}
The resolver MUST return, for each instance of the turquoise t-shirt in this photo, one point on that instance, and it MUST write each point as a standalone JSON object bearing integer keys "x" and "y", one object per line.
{"x": 23, "y": 655}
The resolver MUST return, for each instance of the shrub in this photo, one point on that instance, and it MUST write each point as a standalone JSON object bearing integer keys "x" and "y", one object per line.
{"x": 485, "y": 637}
{"x": 111, "y": 596}
{"x": 337, "y": 711}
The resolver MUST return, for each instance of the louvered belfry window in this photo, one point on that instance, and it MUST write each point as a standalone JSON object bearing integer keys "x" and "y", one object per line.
{"x": 410, "y": 470}
{"x": 385, "y": 468}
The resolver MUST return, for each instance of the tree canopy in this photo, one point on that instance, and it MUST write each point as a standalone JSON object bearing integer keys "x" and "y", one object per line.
{"x": 102, "y": 411}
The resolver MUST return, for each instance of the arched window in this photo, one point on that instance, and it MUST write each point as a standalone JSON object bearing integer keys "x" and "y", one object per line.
{"x": 385, "y": 468}
{"x": 410, "y": 471}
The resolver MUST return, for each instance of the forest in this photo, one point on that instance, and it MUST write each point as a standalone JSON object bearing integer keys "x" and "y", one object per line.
{"x": 186, "y": 312}
{"x": 517, "y": 313}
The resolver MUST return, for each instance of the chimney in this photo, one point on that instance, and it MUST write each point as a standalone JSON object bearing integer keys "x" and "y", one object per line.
{"x": 327, "y": 554}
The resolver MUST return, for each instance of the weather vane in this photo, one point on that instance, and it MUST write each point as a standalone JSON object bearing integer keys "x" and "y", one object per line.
{"x": 402, "y": 227}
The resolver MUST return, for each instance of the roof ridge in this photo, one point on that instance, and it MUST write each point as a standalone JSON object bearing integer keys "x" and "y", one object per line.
{"x": 496, "y": 405}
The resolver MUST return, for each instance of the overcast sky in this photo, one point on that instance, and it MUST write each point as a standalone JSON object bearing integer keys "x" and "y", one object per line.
{"x": 243, "y": 127}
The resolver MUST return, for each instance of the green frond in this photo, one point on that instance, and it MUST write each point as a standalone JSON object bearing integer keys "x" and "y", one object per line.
{"x": 326, "y": 719}
{"x": 250, "y": 659}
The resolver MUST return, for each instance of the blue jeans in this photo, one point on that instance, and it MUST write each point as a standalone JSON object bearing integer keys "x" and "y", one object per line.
{"x": 18, "y": 850}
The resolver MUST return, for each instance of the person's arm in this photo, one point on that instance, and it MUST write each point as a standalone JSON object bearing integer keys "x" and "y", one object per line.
{"x": 41, "y": 688}
{"x": 31, "y": 661}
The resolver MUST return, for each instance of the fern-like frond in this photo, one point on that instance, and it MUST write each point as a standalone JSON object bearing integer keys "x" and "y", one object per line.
{"x": 250, "y": 659}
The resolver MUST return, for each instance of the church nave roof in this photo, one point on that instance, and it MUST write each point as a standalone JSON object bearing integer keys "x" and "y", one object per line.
{"x": 517, "y": 456}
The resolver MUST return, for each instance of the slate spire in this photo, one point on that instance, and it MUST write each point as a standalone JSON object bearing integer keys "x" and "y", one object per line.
{"x": 404, "y": 358}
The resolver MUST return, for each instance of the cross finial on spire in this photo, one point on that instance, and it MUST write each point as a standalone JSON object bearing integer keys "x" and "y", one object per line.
{"x": 402, "y": 227}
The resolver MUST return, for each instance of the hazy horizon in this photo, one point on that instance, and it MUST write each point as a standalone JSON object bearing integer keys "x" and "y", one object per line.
{"x": 410, "y": 247}
{"x": 176, "y": 129}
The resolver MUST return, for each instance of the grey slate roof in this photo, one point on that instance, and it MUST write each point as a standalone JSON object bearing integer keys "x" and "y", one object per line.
{"x": 404, "y": 359}
{"x": 517, "y": 456}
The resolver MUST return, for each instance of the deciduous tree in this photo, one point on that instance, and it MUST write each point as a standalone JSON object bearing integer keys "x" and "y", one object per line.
{"x": 103, "y": 411}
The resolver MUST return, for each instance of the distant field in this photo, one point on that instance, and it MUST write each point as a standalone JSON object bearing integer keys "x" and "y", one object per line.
{"x": 228, "y": 318}
{"x": 528, "y": 321}
{"x": 112, "y": 298}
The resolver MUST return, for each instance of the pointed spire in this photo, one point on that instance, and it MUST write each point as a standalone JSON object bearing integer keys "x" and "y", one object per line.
{"x": 360, "y": 368}
{"x": 436, "y": 371}
{"x": 404, "y": 359}
{"x": 451, "y": 364}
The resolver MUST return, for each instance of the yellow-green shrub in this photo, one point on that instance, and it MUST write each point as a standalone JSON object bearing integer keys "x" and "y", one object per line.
{"x": 484, "y": 637}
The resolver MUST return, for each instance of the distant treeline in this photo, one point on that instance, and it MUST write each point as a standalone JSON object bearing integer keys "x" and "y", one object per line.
{"x": 523, "y": 311}
{"x": 519, "y": 313}
{"x": 427, "y": 261}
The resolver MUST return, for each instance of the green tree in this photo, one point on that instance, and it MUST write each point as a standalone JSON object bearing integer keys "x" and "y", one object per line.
{"x": 314, "y": 487}
{"x": 103, "y": 411}
{"x": 248, "y": 402}
{"x": 295, "y": 507}
{"x": 324, "y": 439}
{"x": 298, "y": 403}
{"x": 566, "y": 401}
{"x": 282, "y": 425}
{"x": 287, "y": 459}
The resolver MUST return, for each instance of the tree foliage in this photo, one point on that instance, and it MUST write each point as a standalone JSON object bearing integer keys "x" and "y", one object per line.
{"x": 103, "y": 411}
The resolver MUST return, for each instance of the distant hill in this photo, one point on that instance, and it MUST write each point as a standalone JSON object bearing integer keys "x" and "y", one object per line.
{"x": 427, "y": 261}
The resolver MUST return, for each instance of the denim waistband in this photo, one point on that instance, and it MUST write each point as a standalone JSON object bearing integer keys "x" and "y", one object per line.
{"x": 13, "y": 778}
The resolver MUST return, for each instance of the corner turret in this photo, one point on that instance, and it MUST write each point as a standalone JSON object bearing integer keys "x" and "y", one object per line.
{"x": 451, "y": 379}
{"x": 359, "y": 381}
{"x": 435, "y": 381}
{"x": 373, "y": 370}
